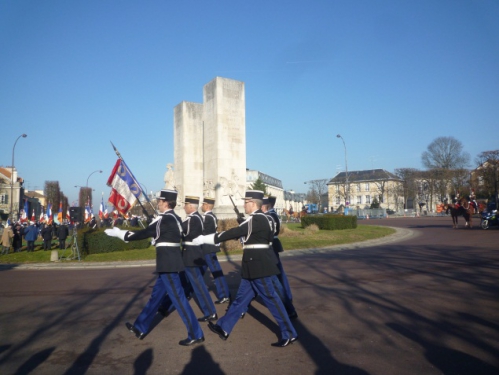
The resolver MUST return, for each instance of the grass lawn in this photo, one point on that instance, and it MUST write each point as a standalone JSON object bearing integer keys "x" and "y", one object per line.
{"x": 293, "y": 237}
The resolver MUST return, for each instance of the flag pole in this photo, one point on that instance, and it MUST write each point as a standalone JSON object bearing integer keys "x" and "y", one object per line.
{"x": 140, "y": 187}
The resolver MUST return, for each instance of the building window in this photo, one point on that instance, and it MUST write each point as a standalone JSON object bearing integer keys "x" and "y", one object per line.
{"x": 337, "y": 188}
{"x": 338, "y": 200}
{"x": 4, "y": 199}
{"x": 368, "y": 199}
{"x": 358, "y": 187}
{"x": 380, "y": 198}
{"x": 359, "y": 199}
{"x": 367, "y": 186}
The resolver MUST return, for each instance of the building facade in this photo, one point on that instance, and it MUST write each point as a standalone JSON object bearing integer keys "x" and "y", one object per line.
{"x": 360, "y": 189}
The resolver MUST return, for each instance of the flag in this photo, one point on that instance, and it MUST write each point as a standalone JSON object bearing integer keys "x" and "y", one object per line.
{"x": 125, "y": 190}
{"x": 59, "y": 214}
{"x": 88, "y": 213}
{"x": 33, "y": 217}
{"x": 68, "y": 216}
{"x": 48, "y": 214}
{"x": 24, "y": 212}
{"x": 101, "y": 208}
{"x": 42, "y": 216}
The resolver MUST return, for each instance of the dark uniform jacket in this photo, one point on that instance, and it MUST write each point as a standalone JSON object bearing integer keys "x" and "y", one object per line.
{"x": 165, "y": 229}
{"x": 47, "y": 233}
{"x": 192, "y": 227}
{"x": 210, "y": 227}
{"x": 276, "y": 243}
{"x": 62, "y": 232}
{"x": 257, "y": 229}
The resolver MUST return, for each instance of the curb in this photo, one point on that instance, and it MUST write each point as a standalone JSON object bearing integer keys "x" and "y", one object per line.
{"x": 401, "y": 234}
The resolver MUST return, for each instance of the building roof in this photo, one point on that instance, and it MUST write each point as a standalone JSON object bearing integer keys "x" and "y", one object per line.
{"x": 364, "y": 176}
{"x": 34, "y": 194}
{"x": 6, "y": 172}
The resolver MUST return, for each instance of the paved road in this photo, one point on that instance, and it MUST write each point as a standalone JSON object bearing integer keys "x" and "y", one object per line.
{"x": 425, "y": 301}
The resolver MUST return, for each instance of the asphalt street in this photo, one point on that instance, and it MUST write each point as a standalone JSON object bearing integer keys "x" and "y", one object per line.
{"x": 423, "y": 301}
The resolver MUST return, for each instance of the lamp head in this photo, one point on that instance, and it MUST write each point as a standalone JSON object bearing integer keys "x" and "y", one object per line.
{"x": 338, "y": 136}
{"x": 25, "y": 135}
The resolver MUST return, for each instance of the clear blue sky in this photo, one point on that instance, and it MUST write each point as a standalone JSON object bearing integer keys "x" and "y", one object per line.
{"x": 389, "y": 76}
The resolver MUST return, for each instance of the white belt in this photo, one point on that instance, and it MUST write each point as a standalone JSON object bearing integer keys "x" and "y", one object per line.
{"x": 258, "y": 246}
{"x": 170, "y": 244}
{"x": 189, "y": 243}
{"x": 276, "y": 237}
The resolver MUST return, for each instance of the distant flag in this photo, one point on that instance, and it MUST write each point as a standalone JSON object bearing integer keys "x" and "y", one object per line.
{"x": 24, "y": 212}
{"x": 48, "y": 214}
{"x": 68, "y": 215}
{"x": 124, "y": 188}
{"x": 33, "y": 217}
{"x": 42, "y": 216}
{"x": 88, "y": 212}
{"x": 101, "y": 208}
{"x": 59, "y": 214}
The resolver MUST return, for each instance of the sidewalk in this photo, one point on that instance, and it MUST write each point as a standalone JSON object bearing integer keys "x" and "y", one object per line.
{"x": 401, "y": 234}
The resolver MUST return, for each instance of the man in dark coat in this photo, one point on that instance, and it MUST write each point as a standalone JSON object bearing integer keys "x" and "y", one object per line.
{"x": 194, "y": 260}
{"x": 62, "y": 234}
{"x": 47, "y": 234}
{"x": 166, "y": 233}
{"x": 210, "y": 252}
{"x": 258, "y": 265}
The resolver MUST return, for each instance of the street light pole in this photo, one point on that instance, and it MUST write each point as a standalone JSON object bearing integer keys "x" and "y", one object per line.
{"x": 98, "y": 170}
{"x": 347, "y": 194}
{"x": 12, "y": 178}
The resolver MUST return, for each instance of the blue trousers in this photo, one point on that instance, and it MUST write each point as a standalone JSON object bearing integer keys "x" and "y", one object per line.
{"x": 248, "y": 289}
{"x": 169, "y": 283}
{"x": 284, "y": 279}
{"x": 221, "y": 286}
{"x": 195, "y": 277}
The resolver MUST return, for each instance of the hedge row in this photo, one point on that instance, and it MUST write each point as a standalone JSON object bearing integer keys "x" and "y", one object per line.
{"x": 330, "y": 222}
{"x": 95, "y": 241}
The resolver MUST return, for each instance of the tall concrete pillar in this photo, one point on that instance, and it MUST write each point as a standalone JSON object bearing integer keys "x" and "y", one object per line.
{"x": 188, "y": 149}
{"x": 224, "y": 143}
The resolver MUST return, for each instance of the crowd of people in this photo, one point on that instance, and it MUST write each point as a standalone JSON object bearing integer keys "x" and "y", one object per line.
{"x": 16, "y": 234}
{"x": 186, "y": 249}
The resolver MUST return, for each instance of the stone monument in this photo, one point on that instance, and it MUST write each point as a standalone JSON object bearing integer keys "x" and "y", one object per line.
{"x": 210, "y": 146}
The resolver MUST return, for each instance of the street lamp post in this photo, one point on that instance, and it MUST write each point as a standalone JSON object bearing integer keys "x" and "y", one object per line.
{"x": 98, "y": 170}
{"x": 12, "y": 178}
{"x": 347, "y": 193}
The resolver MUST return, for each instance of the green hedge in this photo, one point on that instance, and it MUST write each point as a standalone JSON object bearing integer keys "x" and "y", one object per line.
{"x": 95, "y": 241}
{"x": 330, "y": 222}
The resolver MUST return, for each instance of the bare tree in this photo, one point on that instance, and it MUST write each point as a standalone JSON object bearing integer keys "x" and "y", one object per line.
{"x": 316, "y": 190}
{"x": 85, "y": 197}
{"x": 409, "y": 187}
{"x": 486, "y": 176}
{"x": 445, "y": 153}
{"x": 52, "y": 194}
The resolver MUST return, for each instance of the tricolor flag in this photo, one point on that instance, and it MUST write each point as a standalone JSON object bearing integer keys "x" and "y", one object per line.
{"x": 42, "y": 216}
{"x": 101, "y": 208}
{"x": 59, "y": 214}
{"x": 88, "y": 213}
{"x": 33, "y": 217}
{"x": 24, "y": 212}
{"x": 68, "y": 216}
{"x": 48, "y": 214}
{"x": 125, "y": 190}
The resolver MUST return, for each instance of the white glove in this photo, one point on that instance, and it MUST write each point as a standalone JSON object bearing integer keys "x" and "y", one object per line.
{"x": 116, "y": 232}
{"x": 198, "y": 240}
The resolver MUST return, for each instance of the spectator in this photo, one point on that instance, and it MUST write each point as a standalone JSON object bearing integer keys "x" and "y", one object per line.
{"x": 17, "y": 243}
{"x": 47, "y": 234}
{"x": 30, "y": 235}
{"x": 7, "y": 236}
{"x": 62, "y": 234}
